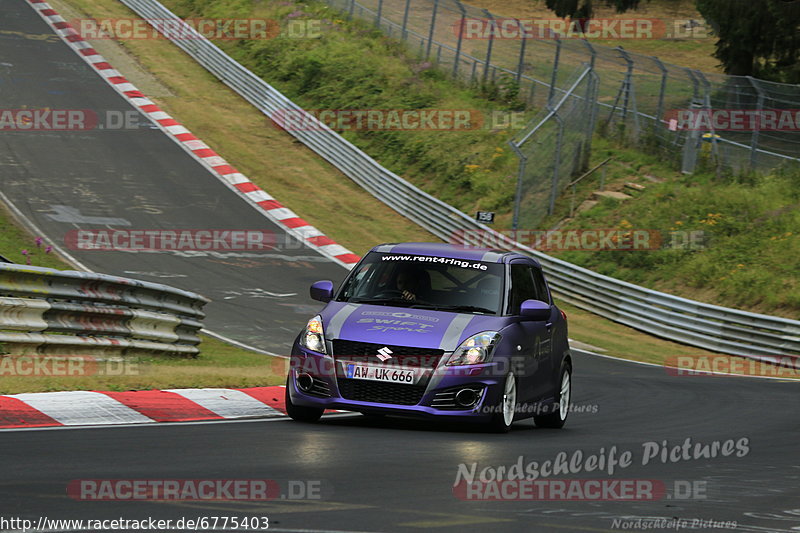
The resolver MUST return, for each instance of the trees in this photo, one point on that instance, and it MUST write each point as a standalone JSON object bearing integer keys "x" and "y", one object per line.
{"x": 584, "y": 9}
{"x": 758, "y": 38}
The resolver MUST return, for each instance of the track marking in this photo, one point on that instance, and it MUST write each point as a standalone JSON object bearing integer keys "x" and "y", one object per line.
{"x": 82, "y": 408}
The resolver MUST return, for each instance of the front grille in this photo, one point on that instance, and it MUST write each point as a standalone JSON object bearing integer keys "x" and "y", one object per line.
{"x": 373, "y": 391}
{"x": 320, "y": 388}
{"x": 446, "y": 399}
{"x": 366, "y": 352}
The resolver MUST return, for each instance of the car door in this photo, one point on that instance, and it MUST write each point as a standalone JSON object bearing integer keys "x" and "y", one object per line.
{"x": 531, "y": 337}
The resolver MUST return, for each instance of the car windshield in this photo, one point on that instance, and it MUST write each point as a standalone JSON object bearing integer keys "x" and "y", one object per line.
{"x": 426, "y": 282}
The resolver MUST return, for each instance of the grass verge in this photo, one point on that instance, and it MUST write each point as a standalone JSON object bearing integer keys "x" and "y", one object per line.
{"x": 219, "y": 365}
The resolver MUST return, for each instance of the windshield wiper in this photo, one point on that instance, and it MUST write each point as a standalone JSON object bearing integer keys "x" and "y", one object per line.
{"x": 465, "y": 308}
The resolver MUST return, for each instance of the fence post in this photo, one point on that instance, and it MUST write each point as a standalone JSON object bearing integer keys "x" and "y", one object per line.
{"x": 692, "y": 138}
{"x": 661, "y": 92}
{"x": 432, "y": 28}
{"x": 553, "y": 78}
{"x": 352, "y": 9}
{"x": 521, "y": 62}
{"x": 404, "y": 28}
{"x": 520, "y": 175}
{"x": 461, "y": 25}
{"x": 556, "y": 162}
{"x": 378, "y": 14}
{"x": 493, "y": 29}
{"x": 629, "y": 98}
{"x": 707, "y": 105}
{"x": 756, "y": 130}
{"x": 591, "y": 101}
{"x": 592, "y": 53}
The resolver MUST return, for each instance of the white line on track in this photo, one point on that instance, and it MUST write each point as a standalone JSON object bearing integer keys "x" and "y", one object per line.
{"x": 282, "y": 418}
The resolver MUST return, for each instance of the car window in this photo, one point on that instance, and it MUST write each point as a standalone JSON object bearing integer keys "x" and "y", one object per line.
{"x": 522, "y": 286}
{"x": 541, "y": 286}
{"x": 426, "y": 282}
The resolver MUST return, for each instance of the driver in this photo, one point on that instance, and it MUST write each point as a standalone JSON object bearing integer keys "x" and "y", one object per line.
{"x": 409, "y": 282}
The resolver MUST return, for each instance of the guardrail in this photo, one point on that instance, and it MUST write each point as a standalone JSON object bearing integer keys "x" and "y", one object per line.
{"x": 48, "y": 311}
{"x": 695, "y": 323}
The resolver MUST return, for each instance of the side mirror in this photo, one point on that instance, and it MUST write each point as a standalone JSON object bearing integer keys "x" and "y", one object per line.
{"x": 535, "y": 310}
{"x": 322, "y": 291}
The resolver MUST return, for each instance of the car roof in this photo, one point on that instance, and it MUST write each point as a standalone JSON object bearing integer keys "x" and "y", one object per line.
{"x": 455, "y": 251}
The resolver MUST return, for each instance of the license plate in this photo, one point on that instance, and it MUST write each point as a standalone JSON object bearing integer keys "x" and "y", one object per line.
{"x": 386, "y": 374}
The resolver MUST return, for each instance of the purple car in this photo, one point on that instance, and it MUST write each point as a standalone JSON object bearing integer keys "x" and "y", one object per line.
{"x": 435, "y": 330}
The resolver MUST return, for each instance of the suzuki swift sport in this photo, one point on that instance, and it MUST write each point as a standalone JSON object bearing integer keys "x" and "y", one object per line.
{"x": 435, "y": 330}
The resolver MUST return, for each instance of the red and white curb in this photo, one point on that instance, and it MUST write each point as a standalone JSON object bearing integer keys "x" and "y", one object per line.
{"x": 235, "y": 180}
{"x": 90, "y": 408}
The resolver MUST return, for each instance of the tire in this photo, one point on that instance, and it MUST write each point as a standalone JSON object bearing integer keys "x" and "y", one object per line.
{"x": 506, "y": 406}
{"x": 558, "y": 417}
{"x": 298, "y": 412}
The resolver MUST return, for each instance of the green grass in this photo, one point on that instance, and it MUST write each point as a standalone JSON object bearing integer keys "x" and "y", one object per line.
{"x": 750, "y": 254}
{"x": 352, "y": 66}
{"x": 219, "y": 365}
{"x": 14, "y": 240}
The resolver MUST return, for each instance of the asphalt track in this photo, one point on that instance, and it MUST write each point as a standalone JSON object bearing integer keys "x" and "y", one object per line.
{"x": 397, "y": 475}
{"x": 375, "y": 475}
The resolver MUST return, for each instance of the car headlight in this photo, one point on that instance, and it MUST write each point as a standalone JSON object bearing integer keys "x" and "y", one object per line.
{"x": 313, "y": 338}
{"x": 476, "y": 349}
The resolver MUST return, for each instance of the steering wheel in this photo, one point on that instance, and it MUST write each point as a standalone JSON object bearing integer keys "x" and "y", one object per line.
{"x": 389, "y": 293}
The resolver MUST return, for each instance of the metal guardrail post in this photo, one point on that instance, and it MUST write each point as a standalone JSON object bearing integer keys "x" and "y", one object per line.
{"x": 379, "y": 14}
{"x": 757, "y": 129}
{"x": 523, "y": 160}
{"x": 629, "y": 98}
{"x": 432, "y": 29}
{"x": 490, "y": 45}
{"x": 523, "y": 43}
{"x": 692, "y": 138}
{"x": 404, "y": 27}
{"x": 707, "y": 105}
{"x": 661, "y": 92}
{"x": 592, "y": 52}
{"x": 590, "y": 102}
{"x": 556, "y": 163}
{"x": 554, "y": 77}
{"x": 461, "y": 26}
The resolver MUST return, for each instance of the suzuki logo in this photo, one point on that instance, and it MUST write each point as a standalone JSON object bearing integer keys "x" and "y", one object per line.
{"x": 384, "y": 354}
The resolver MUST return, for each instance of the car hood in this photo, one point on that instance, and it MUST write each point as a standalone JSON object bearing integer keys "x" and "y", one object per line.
{"x": 399, "y": 326}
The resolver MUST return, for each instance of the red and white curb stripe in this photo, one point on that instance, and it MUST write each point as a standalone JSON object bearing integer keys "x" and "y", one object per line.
{"x": 90, "y": 408}
{"x": 235, "y": 180}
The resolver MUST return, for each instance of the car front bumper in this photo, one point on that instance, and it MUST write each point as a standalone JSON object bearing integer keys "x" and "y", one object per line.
{"x": 489, "y": 378}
